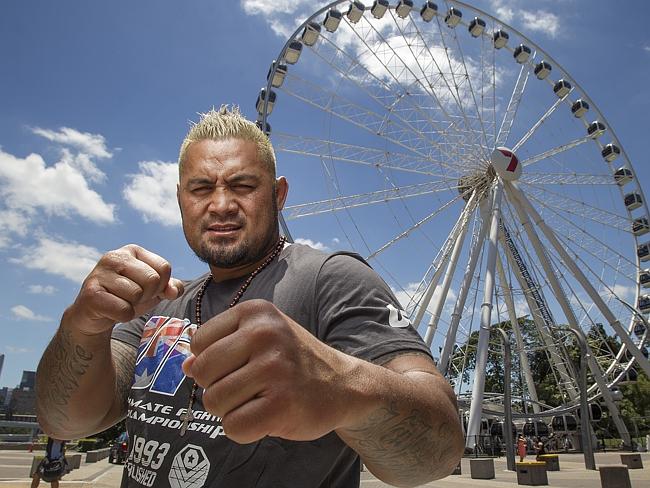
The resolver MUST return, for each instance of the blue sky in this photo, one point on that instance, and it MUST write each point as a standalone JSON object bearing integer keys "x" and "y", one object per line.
{"x": 95, "y": 98}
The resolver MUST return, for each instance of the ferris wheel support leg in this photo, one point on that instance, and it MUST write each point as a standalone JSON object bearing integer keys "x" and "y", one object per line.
{"x": 475, "y": 252}
{"x": 562, "y": 367}
{"x": 453, "y": 237}
{"x": 449, "y": 274}
{"x": 476, "y": 405}
{"x": 285, "y": 228}
{"x": 584, "y": 282}
{"x": 443, "y": 289}
{"x": 512, "y": 315}
{"x": 569, "y": 314}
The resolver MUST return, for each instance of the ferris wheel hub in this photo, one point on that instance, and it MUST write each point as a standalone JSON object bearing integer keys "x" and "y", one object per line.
{"x": 478, "y": 183}
{"x": 506, "y": 164}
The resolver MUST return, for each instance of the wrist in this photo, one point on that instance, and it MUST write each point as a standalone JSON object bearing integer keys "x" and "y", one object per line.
{"x": 83, "y": 330}
{"x": 364, "y": 392}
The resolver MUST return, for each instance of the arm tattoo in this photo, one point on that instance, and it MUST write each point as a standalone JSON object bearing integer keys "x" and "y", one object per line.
{"x": 401, "y": 442}
{"x": 60, "y": 370}
{"x": 124, "y": 364}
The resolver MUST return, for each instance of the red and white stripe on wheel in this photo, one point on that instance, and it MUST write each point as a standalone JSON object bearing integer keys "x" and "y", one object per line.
{"x": 506, "y": 164}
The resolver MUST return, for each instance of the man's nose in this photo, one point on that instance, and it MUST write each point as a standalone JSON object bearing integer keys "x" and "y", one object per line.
{"x": 222, "y": 201}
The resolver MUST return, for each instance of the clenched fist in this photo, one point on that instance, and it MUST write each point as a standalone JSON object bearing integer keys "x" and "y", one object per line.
{"x": 124, "y": 284}
{"x": 264, "y": 374}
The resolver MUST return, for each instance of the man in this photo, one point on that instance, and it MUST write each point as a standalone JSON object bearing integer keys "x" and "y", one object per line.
{"x": 280, "y": 367}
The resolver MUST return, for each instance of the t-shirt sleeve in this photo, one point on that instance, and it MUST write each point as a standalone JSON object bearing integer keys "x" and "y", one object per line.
{"x": 358, "y": 313}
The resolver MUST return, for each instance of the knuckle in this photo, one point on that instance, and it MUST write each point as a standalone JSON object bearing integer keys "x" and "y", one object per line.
{"x": 113, "y": 259}
{"x": 199, "y": 370}
{"x": 165, "y": 269}
{"x": 124, "y": 312}
{"x": 209, "y": 400}
{"x": 238, "y": 428}
{"x": 151, "y": 280}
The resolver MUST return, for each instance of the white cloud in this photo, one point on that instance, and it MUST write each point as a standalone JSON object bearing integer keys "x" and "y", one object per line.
{"x": 42, "y": 290}
{"x": 404, "y": 296}
{"x": 21, "y": 312}
{"x": 316, "y": 245}
{"x": 625, "y": 293}
{"x": 93, "y": 145}
{"x": 16, "y": 350}
{"x": 510, "y": 12}
{"x": 28, "y": 184}
{"x": 67, "y": 259}
{"x": 152, "y": 192}
{"x": 541, "y": 21}
{"x": 12, "y": 222}
{"x": 646, "y": 49}
{"x": 282, "y": 16}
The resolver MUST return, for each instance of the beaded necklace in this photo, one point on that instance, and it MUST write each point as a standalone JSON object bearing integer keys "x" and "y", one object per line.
{"x": 188, "y": 416}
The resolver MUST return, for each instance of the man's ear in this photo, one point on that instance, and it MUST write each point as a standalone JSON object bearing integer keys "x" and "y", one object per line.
{"x": 178, "y": 198}
{"x": 281, "y": 191}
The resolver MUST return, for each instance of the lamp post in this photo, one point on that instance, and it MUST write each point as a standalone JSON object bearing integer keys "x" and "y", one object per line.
{"x": 507, "y": 402}
{"x": 587, "y": 448}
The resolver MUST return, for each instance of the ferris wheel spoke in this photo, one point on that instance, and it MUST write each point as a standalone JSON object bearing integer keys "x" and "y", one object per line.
{"x": 414, "y": 39}
{"x": 586, "y": 285}
{"x": 566, "y": 179}
{"x": 384, "y": 48}
{"x": 464, "y": 77}
{"x": 549, "y": 198}
{"x": 354, "y": 71}
{"x": 413, "y": 227}
{"x": 362, "y": 199}
{"x": 608, "y": 253}
{"x": 368, "y": 120}
{"x": 350, "y": 153}
{"x": 513, "y": 105}
{"x": 537, "y": 125}
{"x": 403, "y": 67}
{"x": 555, "y": 151}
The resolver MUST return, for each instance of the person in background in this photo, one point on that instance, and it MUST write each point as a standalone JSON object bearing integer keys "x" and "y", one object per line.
{"x": 53, "y": 466}
{"x": 521, "y": 448}
{"x": 540, "y": 449}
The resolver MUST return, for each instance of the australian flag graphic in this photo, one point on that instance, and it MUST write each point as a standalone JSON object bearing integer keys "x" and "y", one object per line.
{"x": 164, "y": 345}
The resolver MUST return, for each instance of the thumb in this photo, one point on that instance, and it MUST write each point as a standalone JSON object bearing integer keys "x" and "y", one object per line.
{"x": 173, "y": 290}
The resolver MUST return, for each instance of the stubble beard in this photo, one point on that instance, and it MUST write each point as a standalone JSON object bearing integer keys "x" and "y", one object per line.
{"x": 227, "y": 255}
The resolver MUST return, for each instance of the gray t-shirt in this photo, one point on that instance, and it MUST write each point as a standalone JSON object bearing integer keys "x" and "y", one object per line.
{"x": 338, "y": 298}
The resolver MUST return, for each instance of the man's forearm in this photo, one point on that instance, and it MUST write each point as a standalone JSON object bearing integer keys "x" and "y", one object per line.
{"x": 413, "y": 436}
{"x": 75, "y": 384}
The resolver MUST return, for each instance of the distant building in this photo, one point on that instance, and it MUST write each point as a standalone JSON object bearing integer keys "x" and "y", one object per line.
{"x": 28, "y": 381}
{"x": 23, "y": 397}
{"x": 23, "y": 402}
{"x": 2, "y": 360}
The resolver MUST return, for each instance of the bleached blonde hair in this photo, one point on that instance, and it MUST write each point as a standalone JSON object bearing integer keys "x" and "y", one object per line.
{"x": 225, "y": 123}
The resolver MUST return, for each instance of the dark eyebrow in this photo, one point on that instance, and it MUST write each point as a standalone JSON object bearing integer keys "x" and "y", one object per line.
{"x": 198, "y": 181}
{"x": 243, "y": 178}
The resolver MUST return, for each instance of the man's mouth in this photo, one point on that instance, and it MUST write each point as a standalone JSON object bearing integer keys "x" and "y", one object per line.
{"x": 223, "y": 229}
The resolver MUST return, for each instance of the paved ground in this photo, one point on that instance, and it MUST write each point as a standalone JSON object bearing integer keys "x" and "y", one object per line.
{"x": 14, "y": 468}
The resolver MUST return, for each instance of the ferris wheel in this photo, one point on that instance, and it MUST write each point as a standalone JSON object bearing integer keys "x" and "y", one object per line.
{"x": 481, "y": 181}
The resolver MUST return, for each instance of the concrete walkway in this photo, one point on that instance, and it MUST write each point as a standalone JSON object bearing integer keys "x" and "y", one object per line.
{"x": 572, "y": 475}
